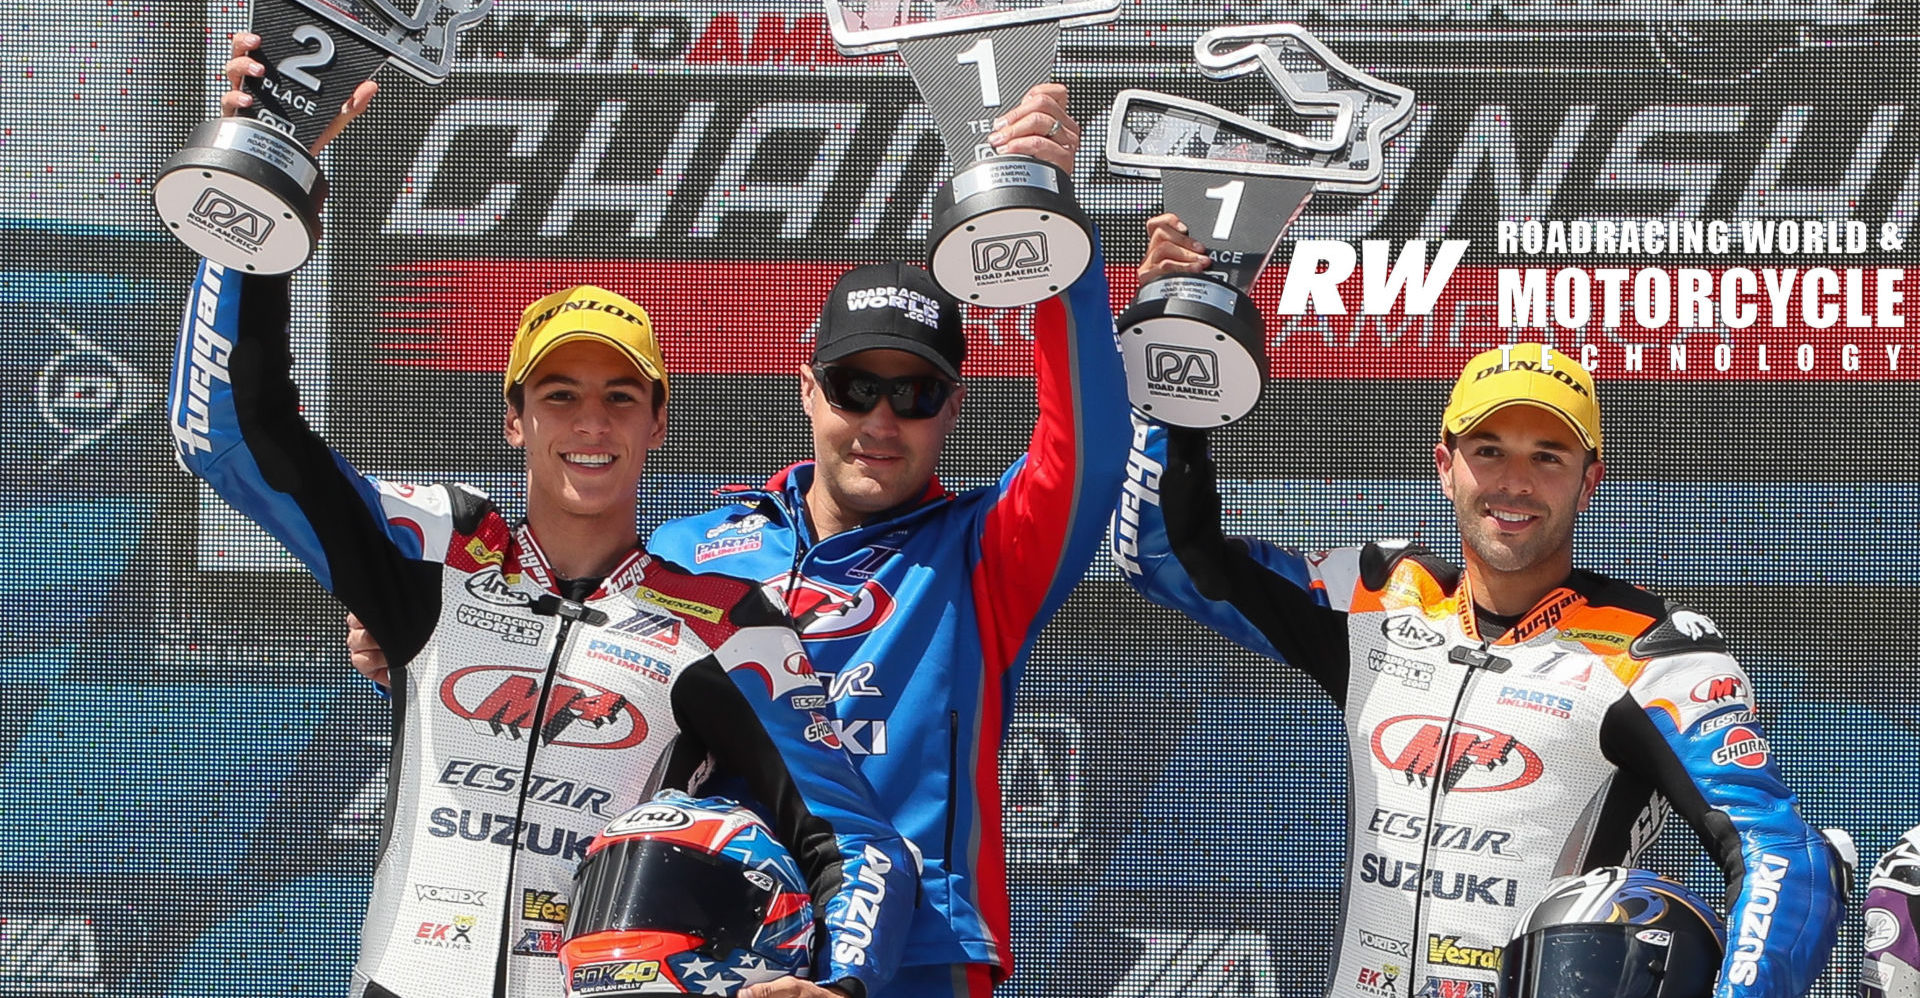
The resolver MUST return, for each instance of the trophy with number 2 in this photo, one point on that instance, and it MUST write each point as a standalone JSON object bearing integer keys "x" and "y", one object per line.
{"x": 245, "y": 192}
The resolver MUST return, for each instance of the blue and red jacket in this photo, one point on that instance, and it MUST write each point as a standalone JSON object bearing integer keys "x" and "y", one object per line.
{"x": 922, "y": 619}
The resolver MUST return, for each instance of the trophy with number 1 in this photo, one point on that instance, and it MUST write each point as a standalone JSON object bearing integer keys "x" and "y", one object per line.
{"x": 1006, "y": 230}
{"x": 245, "y": 192}
{"x": 1195, "y": 345}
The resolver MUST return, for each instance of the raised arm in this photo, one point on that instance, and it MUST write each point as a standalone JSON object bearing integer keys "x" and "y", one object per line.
{"x": 236, "y": 423}
{"x": 1168, "y": 543}
{"x": 1044, "y": 526}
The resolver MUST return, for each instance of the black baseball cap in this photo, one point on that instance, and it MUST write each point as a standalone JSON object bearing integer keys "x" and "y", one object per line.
{"x": 891, "y": 306}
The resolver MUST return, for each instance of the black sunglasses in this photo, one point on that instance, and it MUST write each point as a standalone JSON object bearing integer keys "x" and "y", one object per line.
{"x": 917, "y": 396}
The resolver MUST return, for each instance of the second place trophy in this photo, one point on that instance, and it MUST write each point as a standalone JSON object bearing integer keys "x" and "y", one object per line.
{"x": 246, "y": 192}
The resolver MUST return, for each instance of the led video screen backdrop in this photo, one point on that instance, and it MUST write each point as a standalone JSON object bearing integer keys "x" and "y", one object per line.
{"x": 193, "y": 778}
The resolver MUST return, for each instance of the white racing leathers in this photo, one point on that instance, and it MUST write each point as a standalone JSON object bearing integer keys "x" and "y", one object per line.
{"x": 1482, "y": 769}
{"x": 524, "y": 717}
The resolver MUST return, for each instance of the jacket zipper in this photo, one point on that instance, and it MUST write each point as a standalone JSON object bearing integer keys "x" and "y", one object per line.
{"x": 953, "y": 779}
{"x": 548, "y": 605}
{"x": 1416, "y": 955}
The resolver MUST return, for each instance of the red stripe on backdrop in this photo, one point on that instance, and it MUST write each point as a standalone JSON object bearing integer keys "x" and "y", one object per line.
{"x": 733, "y": 317}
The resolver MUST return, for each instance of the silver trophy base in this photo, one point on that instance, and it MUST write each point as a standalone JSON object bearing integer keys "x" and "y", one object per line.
{"x": 1007, "y": 232}
{"x": 244, "y": 195}
{"x": 1195, "y": 352}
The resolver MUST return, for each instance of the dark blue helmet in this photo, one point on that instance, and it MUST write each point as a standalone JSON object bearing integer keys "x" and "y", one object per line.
{"x": 1614, "y": 933}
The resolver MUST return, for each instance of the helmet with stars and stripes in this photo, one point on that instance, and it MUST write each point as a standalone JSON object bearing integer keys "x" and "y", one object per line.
{"x": 685, "y": 896}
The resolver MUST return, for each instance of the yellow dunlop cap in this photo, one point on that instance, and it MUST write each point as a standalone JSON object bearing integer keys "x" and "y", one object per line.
{"x": 584, "y": 313}
{"x": 1525, "y": 374}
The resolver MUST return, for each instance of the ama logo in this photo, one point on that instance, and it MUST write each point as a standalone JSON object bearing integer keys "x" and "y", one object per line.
{"x": 1453, "y": 987}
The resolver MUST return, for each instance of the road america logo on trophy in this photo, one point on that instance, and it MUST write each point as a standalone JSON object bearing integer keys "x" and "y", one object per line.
{"x": 245, "y": 192}
{"x": 1195, "y": 345}
{"x": 1006, "y": 230}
